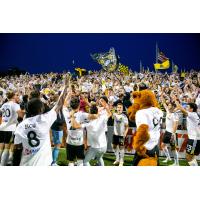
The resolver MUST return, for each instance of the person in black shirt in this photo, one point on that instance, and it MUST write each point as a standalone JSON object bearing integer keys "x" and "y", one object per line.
{"x": 57, "y": 134}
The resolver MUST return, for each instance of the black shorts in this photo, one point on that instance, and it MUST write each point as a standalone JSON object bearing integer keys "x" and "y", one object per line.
{"x": 118, "y": 140}
{"x": 150, "y": 153}
{"x": 6, "y": 137}
{"x": 193, "y": 147}
{"x": 75, "y": 152}
{"x": 169, "y": 139}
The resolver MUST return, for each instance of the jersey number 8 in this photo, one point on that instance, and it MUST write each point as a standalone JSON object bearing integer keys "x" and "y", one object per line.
{"x": 32, "y": 139}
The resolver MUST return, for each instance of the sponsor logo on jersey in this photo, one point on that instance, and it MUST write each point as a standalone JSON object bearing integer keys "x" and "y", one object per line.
{"x": 31, "y": 151}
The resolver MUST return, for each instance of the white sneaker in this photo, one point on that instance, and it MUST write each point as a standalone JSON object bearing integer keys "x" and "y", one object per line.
{"x": 121, "y": 163}
{"x": 116, "y": 162}
{"x": 175, "y": 164}
{"x": 166, "y": 160}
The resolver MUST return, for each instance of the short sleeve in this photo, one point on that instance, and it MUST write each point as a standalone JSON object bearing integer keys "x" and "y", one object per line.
{"x": 16, "y": 107}
{"x": 140, "y": 119}
{"x": 18, "y": 138}
{"x": 125, "y": 120}
{"x": 191, "y": 116}
{"x": 105, "y": 117}
{"x": 50, "y": 116}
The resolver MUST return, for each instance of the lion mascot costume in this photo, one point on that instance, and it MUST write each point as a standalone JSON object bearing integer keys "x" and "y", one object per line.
{"x": 148, "y": 117}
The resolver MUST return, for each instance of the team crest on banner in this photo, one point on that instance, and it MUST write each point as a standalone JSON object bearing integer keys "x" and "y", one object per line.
{"x": 108, "y": 60}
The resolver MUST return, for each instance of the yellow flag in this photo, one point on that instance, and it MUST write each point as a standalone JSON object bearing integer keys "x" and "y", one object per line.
{"x": 164, "y": 65}
{"x": 183, "y": 74}
{"x": 80, "y": 70}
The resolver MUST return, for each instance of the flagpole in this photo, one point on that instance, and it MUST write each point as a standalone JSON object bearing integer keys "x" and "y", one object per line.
{"x": 140, "y": 66}
{"x": 156, "y": 55}
{"x": 156, "y": 52}
{"x": 172, "y": 66}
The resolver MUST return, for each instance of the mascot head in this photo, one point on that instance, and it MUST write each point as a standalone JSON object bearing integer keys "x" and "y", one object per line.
{"x": 142, "y": 100}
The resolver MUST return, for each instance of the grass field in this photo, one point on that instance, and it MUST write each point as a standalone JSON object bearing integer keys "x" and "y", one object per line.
{"x": 109, "y": 159}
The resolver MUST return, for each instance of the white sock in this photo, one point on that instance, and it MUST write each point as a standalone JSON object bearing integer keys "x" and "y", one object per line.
{"x": 121, "y": 155}
{"x": 10, "y": 156}
{"x": 71, "y": 164}
{"x": 1, "y": 151}
{"x": 175, "y": 156}
{"x": 166, "y": 152}
{"x": 193, "y": 162}
{"x": 116, "y": 151}
{"x": 4, "y": 157}
{"x": 79, "y": 162}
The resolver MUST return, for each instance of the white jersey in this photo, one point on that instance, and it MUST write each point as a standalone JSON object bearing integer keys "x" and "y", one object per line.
{"x": 120, "y": 123}
{"x": 171, "y": 118}
{"x": 9, "y": 116}
{"x": 193, "y": 126}
{"x": 75, "y": 136}
{"x": 151, "y": 117}
{"x": 128, "y": 88}
{"x": 33, "y": 133}
{"x": 102, "y": 111}
{"x": 96, "y": 132}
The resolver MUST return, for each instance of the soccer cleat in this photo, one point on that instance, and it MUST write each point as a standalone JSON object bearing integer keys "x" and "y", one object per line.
{"x": 9, "y": 163}
{"x": 116, "y": 162}
{"x": 166, "y": 160}
{"x": 121, "y": 163}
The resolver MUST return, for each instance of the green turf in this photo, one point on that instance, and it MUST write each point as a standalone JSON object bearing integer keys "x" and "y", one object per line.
{"x": 109, "y": 159}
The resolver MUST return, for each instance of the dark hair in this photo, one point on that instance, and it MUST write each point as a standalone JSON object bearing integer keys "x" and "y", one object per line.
{"x": 35, "y": 107}
{"x": 10, "y": 94}
{"x": 120, "y": 104}
{"x": 193, "y": 106}
{"x": 104, "y": 98}
{"x": 93, "y": 109}
{"x": 74, "y": 103}
{"x": 142, "y": 86}
{"x": 174, "y": 105}
{"x": 121, "y": 95}
{"x": 35, "y": 94}
{"x": 25, "y": 98}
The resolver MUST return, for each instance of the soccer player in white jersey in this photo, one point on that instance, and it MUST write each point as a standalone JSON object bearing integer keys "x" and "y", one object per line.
{"x": 120, "y": 132}
{"x": 96, "y": 135}
{"x": 193, "y": 128}
{"x": 152, "y": 117}
{"x": 169, "y": 137}
{"x": 32, "y": 135}
{"x": 10, "y": 113}
{"x": 75, "y": 144}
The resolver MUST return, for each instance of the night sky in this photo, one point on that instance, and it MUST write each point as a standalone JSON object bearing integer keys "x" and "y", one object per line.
{"x": 38, "y": 53}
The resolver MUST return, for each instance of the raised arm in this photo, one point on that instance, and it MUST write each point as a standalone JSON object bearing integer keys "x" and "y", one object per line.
{"x": 179, "y": 107}
{"x": 106, "y": 106}
{"x": 164, "y": 104}
{"x": 63, "y": 95}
